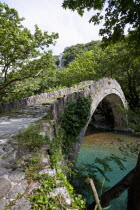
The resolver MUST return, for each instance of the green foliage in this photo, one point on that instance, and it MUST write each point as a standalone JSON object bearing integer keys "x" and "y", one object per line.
{"x": 73, "y": 120}
{"x": 49, "y": 82}
{"x": 119, "y": 61}
{"x": 57, "y": 62}
{"x": 96, "y": 171}
{"x": 70, "y": 53}
{"x": 131, "y": 149}
{"x": 78, "y": 113}
{"x": 81, "y": 69}
{"x": 134, "y": 120}
{"x": 23, "y": 55}
{"x": 41, "y": 199}
{"x": 20, "y": 90}
{"x": 55, "y": 150}
{"x": 32, "y": 138}
{"x": 32, "y": 166}
{"x": 116, "y": 16}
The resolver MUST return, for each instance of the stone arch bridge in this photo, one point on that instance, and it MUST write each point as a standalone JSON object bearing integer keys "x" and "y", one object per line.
{"x": 105, "y": 88}
{"x": 34, "y": 108}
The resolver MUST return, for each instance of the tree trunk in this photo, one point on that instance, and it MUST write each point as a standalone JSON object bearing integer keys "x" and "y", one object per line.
{"x": 115, "y": 191}
{"x": 134, "y": 190}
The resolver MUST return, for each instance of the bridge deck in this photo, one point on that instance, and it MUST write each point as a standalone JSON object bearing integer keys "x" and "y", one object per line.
{"x": 15, "y": 121}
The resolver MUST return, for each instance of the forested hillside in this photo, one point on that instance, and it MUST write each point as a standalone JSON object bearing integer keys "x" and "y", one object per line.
{"x": 70, "y": 53}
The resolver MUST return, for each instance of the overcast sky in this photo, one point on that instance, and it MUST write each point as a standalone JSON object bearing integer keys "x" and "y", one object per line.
{"x": 50, "y": 16}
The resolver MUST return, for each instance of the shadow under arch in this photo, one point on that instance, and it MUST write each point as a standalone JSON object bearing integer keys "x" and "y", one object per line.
{"x": 120, "y": 119}
{"x": 112, "y": 106}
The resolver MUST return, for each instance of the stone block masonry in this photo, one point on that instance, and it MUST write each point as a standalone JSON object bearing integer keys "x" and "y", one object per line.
{"x": 104, "y": 88}
{"x": 14, "y": 185}
{"x": 43, "y": 97}
{"x": 12, "y": 178}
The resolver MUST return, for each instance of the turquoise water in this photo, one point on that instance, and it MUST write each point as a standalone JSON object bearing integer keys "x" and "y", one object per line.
{"x": 102, "y": 144}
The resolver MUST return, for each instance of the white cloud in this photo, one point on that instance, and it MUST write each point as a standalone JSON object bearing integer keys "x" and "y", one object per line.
{"x": 50, "y": 16}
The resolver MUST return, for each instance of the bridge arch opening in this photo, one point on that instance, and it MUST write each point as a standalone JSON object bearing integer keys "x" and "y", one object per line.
{"x": 108, "y": 114}
{"x": 103, "y": 117}
{"x": 105, "y": 113}
{"x": 116, "y": 118}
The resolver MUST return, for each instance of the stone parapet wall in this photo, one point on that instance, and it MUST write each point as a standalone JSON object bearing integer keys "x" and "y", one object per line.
{"x": 40, "y": 98}
{"x": 98, "y": 90}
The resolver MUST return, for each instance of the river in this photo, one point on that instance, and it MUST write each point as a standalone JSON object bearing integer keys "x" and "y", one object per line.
{"x": 101, "y": 144}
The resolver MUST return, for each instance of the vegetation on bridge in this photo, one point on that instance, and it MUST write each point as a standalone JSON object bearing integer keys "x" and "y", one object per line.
{"x": 73, "y": 119}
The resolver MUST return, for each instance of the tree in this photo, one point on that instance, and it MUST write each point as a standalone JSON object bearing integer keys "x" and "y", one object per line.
{"x": 81, "y": 69}
{"x": 70, "y": 53}
{"x": 119, "y": 61}
{"x": 23, "y": 55}
{"x": 134, "y": 190}
{"x": 117, "y": 15}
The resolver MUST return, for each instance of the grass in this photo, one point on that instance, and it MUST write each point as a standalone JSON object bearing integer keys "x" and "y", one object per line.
{"x": 32, "y": 138}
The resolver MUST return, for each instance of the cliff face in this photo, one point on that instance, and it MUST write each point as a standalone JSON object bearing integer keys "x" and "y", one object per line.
{"x": 59, "y": 60}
